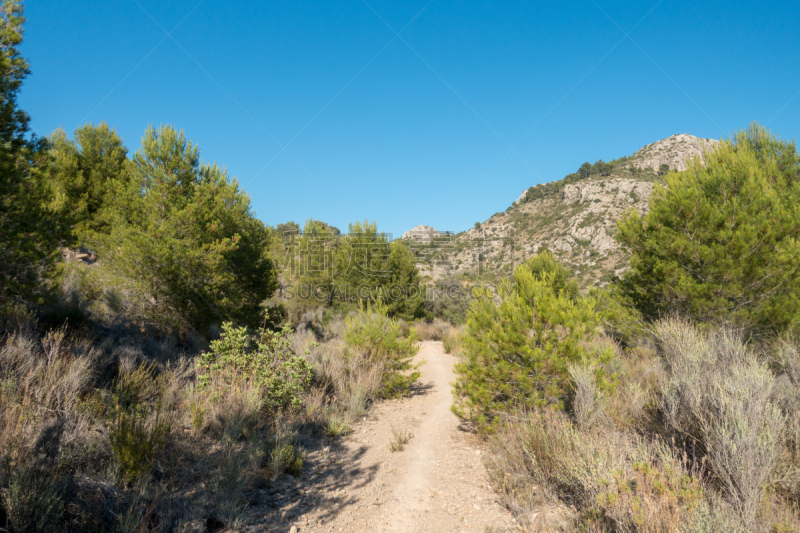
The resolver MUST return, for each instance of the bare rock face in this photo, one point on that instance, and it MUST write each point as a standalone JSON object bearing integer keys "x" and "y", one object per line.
{"x": 571, "y": 194}
{"x": 674, "y": 151}
{"x": 421, "y": 234}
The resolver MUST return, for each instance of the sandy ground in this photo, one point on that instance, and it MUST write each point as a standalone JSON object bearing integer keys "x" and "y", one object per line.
{"x": 437, "y": 483}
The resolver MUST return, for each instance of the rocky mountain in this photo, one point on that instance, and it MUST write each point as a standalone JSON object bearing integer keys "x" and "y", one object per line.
{"x": 575, "y": 218}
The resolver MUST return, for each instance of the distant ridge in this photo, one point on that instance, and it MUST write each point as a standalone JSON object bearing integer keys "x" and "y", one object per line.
{"x": 575, "y": 218}
{"x": 421, "y": 234}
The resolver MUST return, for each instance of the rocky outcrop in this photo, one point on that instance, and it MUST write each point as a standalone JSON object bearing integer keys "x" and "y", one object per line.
{"x": 673, "y": 151}
{"x": 421, "y": 234}
{"x": 571, "y": 194}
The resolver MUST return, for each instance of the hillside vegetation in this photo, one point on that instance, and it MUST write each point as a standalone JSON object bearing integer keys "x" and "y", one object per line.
{"x": 627, "y": 338}
{"x": 667, "y": 401}
{"x": 150, "y": 377}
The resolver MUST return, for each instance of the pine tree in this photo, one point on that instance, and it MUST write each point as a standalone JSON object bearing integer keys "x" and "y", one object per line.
{"x": 27, "y": 243}
{"x": 84, "y": 174}
{"x": 185, "y": 244}
{"x": 519, "y": 343}
{"x": 359, "y": 267}
{"x": 720, "y": 241}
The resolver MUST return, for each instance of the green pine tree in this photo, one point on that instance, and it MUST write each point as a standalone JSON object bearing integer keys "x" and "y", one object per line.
{"x": 27, "y": 234}
{"x": 84, "y": 174}
{"x": 720, "y": 241}
{"x": 185, "y": 245}
{"x": 519, "y": 343}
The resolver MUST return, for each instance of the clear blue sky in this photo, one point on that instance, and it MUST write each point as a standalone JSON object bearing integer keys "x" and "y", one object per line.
{"x": 414, "y": 129}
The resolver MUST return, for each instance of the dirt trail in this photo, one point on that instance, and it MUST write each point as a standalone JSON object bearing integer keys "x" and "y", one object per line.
{"x": 437, "y": 483}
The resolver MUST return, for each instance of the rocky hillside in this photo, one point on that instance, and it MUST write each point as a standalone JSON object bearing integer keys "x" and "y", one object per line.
{"x": 421, "y": 234}
{"x": 673, "y": 151}
{"x": 575, "y": 218}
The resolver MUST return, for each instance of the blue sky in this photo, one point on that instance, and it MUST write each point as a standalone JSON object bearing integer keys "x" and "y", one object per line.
{"x": 322, "y": 110}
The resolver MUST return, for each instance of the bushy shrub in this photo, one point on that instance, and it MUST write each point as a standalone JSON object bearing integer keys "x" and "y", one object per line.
{"x": 517, "y": 351}
{"x": 718, "y": 395}
{"x": 282, "y": 456}
{"x": 34, "y": 500}
{"x": 371, "y": 334}
{"x": 787, "y": 396}
{"x": 616, "y": 482}
{"x": 587, "y": 402}
{"x": 266, "y": 360}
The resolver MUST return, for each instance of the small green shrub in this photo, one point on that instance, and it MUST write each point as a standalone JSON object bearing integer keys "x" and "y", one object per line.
{"x": 266, "y": 360}
{"x": 337, "y": 427}
{"x": 517, "y": 351}
{"x": 137, "y": 432}
{"x": 33, "y": 501}
{"x": 401, "y": 438}
{"x": 375, "y": 336}
{"x": 285, "y": 459}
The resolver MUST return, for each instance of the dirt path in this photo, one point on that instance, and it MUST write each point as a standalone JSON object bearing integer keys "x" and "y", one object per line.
{"x": 437, "y": 483}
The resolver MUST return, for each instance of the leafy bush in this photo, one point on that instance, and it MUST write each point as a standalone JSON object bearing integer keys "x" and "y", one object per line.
{"x": 371, "y": 334}
{"x": 266, "y": 360}
{"x": 518, "y": 350}
{"x": 719, "y": 242}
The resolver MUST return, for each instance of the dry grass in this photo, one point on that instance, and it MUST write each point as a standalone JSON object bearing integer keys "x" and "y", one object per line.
{"x": 86, "y": 427}
{"x": 432, "y": 331}
{"x": 699, "y": 435}
{"x": 615, "y": 481}
{"x": 451, "y": 340}
{"x": 718, "y": 394}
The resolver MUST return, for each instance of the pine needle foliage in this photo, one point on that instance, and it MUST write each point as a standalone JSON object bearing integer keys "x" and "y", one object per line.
{"x": 84, "y": 173}
{"x": 720, "y": 241}
{"x": 27, "y": 244}
{"x": 518, "y": 346}
{"x": 185, "y": 246}
{"x": 137, "y": 430}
